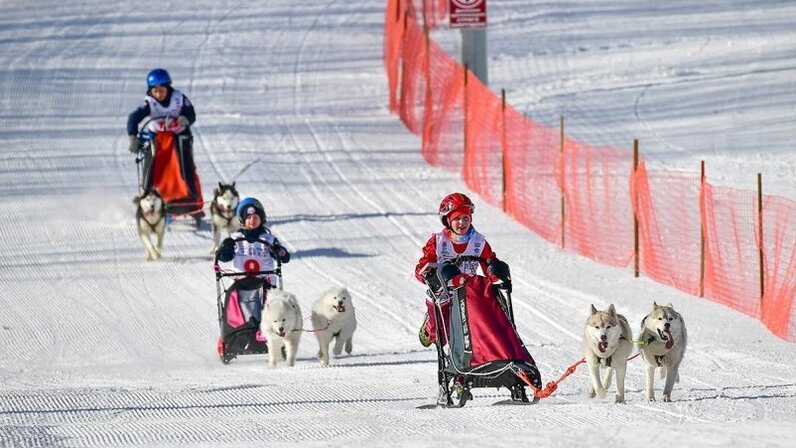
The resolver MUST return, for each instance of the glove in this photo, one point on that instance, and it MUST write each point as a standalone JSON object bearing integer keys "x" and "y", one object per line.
{"x": 432, "y": 280}
{"x": 458, "y": 281}
{"x": 281, "y": 253}
{"x": 501, "y": 271}
{"x": 227, "y": 250}
{"x": 183, "y": 121}
{"x": 134, "y": 144}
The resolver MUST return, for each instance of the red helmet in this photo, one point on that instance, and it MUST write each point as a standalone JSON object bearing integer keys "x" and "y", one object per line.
{"x": 452, "y": 203}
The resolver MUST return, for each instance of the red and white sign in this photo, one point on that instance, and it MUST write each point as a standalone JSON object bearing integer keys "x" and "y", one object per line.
{"x": 467, "y": 13}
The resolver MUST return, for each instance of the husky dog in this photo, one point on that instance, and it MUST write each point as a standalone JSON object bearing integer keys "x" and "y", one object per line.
{"x": 282, "y": 324}
{"x": 607, "y": 342}
{"x": 333, "y": 317}
{"x": 222, "y": 212}
{"x": 150, "y": 220}
{"x": 664, "y": 336}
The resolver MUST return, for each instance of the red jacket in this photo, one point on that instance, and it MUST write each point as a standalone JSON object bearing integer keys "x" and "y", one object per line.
{"x": 430, "y": 256}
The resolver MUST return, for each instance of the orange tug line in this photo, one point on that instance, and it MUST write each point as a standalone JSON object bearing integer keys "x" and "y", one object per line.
{"x": 553, "y": 385}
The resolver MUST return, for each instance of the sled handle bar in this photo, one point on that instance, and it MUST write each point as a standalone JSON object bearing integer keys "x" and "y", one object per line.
{"x": 220, "y": 274}
{"x": 270, "y": 248}
{"x": 277, "y": 271}
{"x": 455, "y": 261}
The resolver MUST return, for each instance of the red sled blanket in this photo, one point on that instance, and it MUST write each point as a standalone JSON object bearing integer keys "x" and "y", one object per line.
{"x": 478, "y": 330}
{"x": 174, "y": 176}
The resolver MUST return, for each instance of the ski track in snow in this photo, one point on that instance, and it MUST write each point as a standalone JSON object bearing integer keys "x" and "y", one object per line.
{"x": 101, "y": 348}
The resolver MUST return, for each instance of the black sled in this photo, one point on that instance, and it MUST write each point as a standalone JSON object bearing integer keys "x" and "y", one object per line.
{"x": 477, "y": 343}
{"x": 166, "y": 153}
{"x": 239, "y": 308}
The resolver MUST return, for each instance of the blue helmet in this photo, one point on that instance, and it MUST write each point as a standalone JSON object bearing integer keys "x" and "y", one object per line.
{"x": 248, "y": 206}
{"x": 158, "y": 77}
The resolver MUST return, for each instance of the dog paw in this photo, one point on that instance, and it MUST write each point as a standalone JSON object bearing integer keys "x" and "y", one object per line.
{"x": 666, "y": 398}
{"x": 601, "y": 393}
{"x": 590, "y": 393}
{"x": 620, "y": 398}
{"x": 650, "y": 398}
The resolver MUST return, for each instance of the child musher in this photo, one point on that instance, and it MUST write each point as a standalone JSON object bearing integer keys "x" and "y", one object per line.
{"x": 255, "y": 252}
{"x": 457, "y": 238}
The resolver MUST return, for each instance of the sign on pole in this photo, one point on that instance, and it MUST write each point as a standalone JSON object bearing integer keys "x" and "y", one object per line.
{"x": 467, "y": 13}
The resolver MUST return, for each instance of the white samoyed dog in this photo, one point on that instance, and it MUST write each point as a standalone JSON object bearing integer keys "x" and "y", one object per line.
{"x": 333, "y": 317}
{"x": 282, "y": 324}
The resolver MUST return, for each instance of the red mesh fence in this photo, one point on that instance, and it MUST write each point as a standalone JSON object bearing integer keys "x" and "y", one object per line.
{"x": 779, "y": 248}
{"x": 483, "y": 155}
{"x": 512, "y": 161}
{"x": 413, "y": 77}
{"x": 670, "y": 227}
{"x": 443, "y": 130}
{"x": 732, "y": 265}
{"x": 599, "y": 215}
{"x": 533, "y": 190}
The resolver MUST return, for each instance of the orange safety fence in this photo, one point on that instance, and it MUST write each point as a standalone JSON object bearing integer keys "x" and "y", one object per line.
{"x": 443, "y": 124}
{"x": 599, "y": 216}
{"x": 702, "y": 239}
{"x": 670, "y": 229}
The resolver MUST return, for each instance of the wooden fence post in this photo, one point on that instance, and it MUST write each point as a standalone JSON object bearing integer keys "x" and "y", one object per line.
{"x": 635, "y": 211}
{"x": 503, "y": 143}
{"x": 760, "y": 232}
{"x": 702, "y": 231}
{"x": 428, "y": 113}
{"x": 563, "y": 181}
{"x": 464, "y": 164}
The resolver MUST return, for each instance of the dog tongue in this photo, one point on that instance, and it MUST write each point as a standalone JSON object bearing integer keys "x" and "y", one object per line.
{"x": 669, "y": 340}
{"x": 601, "y": 346}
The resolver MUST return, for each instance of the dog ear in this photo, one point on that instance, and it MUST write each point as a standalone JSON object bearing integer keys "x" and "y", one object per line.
{"x": 611, "y": 310}
{"x": 593, "y": 309}
{"x": 655, "y": 305}
{"x": 670, "y": 305}
{"x": 136, "y": 199}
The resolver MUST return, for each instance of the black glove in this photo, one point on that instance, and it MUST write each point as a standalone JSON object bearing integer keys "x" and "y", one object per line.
{"x": 134, "y": 144}
{"x": 281, "y": 253}
{"x": 500, "y": 270}
{"x": 448, "y": 271}
{"x": 227, "y": 250}
{"x": 432, "y": 280}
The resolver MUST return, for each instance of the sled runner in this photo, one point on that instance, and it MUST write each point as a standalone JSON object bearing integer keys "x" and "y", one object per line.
{"x": 477, "y": 344}
{"x": 239, "y": 309}
{"x": 167, "y": 156}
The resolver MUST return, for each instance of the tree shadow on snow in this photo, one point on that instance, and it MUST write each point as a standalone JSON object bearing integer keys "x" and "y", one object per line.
{"x": 330, "y": 252}
{"x": 339, "y": 217}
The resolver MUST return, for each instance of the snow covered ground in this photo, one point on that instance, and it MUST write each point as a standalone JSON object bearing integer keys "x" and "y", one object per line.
{"x": 101, "y": 348}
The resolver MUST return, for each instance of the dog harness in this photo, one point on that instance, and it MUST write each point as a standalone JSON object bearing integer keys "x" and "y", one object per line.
{"x": 140, "y": 215}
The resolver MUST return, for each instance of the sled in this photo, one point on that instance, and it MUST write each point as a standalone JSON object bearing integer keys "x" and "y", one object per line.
{"x": 476, "y": 340}
{"x": 238, "y": 319}
{"x": 168, "y": 166}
